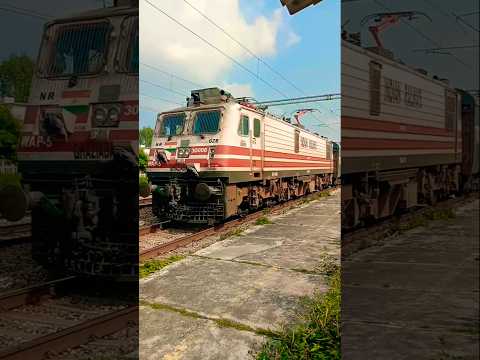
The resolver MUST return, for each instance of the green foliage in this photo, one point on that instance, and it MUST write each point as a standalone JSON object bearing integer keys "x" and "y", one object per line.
{"x": 154, "y": 265}
{"x": 143, "y": 186}
{"x": 9, "y": 134}
{"x": 263, "y": 220}
{"x": 16, "y": 77}
{"x": 142, "y": 160}
{"x": 146, "y": 136}
{"x": 317, "y": 336}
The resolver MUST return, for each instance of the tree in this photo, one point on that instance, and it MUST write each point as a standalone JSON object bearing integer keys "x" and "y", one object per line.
{"x": 16, "y": 77}
{"x": 146, "y": 135}
{"x": 142, "y": 160}
{"x": 9, "y": 134}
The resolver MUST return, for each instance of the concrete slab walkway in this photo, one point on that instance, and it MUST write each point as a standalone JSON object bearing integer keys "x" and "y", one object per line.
{"x": 219, "y": 302}
{"x": 416, "y": 296}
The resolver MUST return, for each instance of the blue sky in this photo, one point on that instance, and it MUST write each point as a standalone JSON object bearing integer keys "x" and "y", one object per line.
{"x": 305, "y": 50}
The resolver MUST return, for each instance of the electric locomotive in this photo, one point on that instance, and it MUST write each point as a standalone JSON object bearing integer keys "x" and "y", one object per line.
{"x": 219, "y": 157}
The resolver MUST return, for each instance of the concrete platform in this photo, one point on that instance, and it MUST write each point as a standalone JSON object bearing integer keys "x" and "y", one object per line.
{"x": 255, "y": 280}
{"x": 193, "y": 338}
{"x": 416, "y": 296}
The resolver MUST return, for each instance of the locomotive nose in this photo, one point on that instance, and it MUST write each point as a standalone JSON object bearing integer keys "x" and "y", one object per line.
{"x": 14, "y": 202}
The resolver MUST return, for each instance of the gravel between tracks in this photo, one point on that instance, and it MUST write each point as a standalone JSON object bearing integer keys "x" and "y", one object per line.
{"x": 18, "y": 269}
{"x": 120, "y": 345}
{"x": 28, "y": 322}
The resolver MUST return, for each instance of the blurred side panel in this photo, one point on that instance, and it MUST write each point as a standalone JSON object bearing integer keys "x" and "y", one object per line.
{"x": 410, "y": 179}
{"x": 71, "y": 102}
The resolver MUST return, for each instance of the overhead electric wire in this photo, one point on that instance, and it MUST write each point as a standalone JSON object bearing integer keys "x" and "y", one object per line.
{"x": 161, "y": 99}
{"x": 438, "y": 8}
{"x": 469, "y": 13}
{"x": 244, "y": 47}
{"x": 448, "y": 48}
{"x": 215, "y": 47}
{"x": 459, "y": 18}
{"x": 163, "y": 87}
{"x": 249, "y": 51}
{"x": 170, "y": 74}
{"x": 25, "y": 12}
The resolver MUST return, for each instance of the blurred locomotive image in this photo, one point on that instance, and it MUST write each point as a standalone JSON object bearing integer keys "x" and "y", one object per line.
{"x": 407, "y": 137}
{"x": 79, "y": 144}
{"x": 219, "y": 157}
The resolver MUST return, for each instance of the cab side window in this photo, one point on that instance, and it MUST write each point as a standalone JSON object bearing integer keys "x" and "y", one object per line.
{"x": 256, "y": 128}
{"x": 243, "y": 127}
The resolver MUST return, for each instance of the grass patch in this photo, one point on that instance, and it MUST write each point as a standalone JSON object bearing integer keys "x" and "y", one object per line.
{"x": 225, "y": 323}
{"x": 317, "y": 336}
{"x": 423, "y": 219}
{"x": 327, "y": 265}
{"x": 263, "y": 220}
{"x": 151, "y": 266}
{"x": 234, "y": 232}
{"x": 439, "y": 214}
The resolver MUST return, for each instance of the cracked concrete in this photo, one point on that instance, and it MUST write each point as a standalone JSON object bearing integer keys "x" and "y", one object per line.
{"x": 416, "y": 296}
{"x": 252, "y": 279}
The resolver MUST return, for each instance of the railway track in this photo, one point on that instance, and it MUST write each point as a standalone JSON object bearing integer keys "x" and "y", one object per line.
{"x": 143, "y": 202}
{"x": 11, "y": 234}
{"x": 39, "y": 306}
{"x": 183, "y": 241}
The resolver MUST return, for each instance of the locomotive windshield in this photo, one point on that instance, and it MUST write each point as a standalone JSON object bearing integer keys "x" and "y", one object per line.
{"x": 127, "y": 55}
{"x": 172, "y": 125}
{"x": 78, "y": 49}
{"x": 206, "y": 122}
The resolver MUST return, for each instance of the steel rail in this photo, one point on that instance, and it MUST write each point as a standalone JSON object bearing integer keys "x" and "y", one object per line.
{"x": 73, "y": 336}
{"x": 31, "y": 294}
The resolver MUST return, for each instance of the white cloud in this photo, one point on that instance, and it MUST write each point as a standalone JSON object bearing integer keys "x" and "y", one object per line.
{"x": 292, "y": 39}
{"x": 169, "y": 46}
{"x": 239, "y": 90}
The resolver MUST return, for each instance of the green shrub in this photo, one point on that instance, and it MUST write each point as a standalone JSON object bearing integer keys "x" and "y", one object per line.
{"x": 317, "y": 336}
{"x": 144, "y": 186}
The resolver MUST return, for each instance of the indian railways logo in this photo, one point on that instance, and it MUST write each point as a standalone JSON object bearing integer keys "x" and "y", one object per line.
{"x": 307, "y": 143}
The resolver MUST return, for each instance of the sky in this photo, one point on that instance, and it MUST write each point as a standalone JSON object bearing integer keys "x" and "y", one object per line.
{"x": 460, "y": 67}
{"x": 303, "y": 48}
{"x": 21, "y": 22}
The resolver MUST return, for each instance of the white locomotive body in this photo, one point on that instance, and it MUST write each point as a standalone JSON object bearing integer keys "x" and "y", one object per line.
{"x": 218, "y": 157}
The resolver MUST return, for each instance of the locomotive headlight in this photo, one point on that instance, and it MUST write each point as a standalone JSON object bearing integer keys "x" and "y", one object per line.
{"x": 106, "y": 115}
{"x": 100, "y": 115}
{"x": 211, "y": 152}
{"x": 113, "y": 115}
